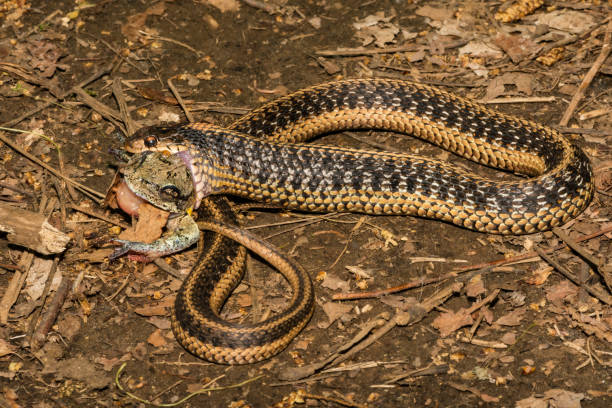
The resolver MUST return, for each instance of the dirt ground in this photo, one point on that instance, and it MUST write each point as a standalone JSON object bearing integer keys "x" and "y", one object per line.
{"x": 506, "y": 329}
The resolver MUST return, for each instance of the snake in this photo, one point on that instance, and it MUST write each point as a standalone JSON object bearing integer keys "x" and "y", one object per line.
{"x": 264, "y": 156}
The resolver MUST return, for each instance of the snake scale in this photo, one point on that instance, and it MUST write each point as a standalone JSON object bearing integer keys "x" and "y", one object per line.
{"x": 263, "y": 156}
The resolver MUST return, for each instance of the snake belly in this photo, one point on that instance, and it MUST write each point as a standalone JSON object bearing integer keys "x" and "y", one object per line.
{"x": 262, "y": 156}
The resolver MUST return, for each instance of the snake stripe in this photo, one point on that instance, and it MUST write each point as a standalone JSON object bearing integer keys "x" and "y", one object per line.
{"x": 197, "y": 324}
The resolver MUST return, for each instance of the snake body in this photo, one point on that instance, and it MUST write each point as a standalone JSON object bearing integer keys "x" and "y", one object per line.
{"x": 263, "y": 157}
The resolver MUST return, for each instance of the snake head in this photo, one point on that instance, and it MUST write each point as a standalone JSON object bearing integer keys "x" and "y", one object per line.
{"x": 152, "y": 138}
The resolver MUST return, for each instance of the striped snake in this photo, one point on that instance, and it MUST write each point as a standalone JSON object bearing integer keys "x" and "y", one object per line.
{"x": 263, "y": 157}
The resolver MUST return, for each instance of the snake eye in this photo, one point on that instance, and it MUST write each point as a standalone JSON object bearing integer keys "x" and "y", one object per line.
{"x": 150, "y": 141}
{"x": 170, "y": 192}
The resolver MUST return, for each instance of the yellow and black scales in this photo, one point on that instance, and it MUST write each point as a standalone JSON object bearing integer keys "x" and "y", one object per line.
{"x": 261, "y": 157}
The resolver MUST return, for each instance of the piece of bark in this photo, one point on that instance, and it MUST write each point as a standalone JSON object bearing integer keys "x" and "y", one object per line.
{"x": 31, "y": 230}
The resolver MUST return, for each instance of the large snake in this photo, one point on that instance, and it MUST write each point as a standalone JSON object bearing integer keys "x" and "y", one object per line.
{"x": 262, "y": 157}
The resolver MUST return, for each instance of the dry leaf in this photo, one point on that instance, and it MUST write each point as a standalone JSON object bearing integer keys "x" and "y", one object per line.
{"x": 224, "y": 5}
{"x": 571, "y": 21}
{"x": 157, "y": 339}
{"x": 377, "y": 29}
{"x": 435, "y": 13}
{"x": 451, "y": 321}
{"x": 153, "y": 310}
{"x": 513, "y": 318}
{"x": 552, "y": 398}
{"x": 333, "y": 282}
{"x": 560, "y": 291}
{"x": 475, "y": 286}
{"x": 518, "y": 47}
{"x": 335, "y": 310}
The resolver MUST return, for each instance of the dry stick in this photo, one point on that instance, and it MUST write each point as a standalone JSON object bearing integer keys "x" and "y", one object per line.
{"x": 14, "y": 287}
{"x": 123, "y": 108}
{"x": 216, "y": 107}
{"x": 99, "y": 216}
{"x": 431, "y": 370}
{"x": 604, "y": 297}
{"x": 110, "y": 114}
{"x": 605, "y": 52}
{"x": 36, "y": 26}
{"x": 37, "y": 338}
{"x": 583, "y": 252}
{"x": 179, "y": 99}
{"x": 364, "y": 339}
{"x": 583, "y": 131}
{"x": 63, "y": 95}
{"x": 353, "y": 52}
{"x": 22, "y": 72}
{"x": 388, "y": 291}
{"x": 531, "y": 254}
{"x": 453, "y": 274}
{"x": 171, "y": 40}
{"x": 567, "y": 41}
{"x": 55, "y": 172}
{"x": 535, "y": 99}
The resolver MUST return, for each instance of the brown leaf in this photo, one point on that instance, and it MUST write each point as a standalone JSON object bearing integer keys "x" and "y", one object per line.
{"x": 136, "y": 22}
{"x": 333, "y": 282}
{"x": 513, "y": 318}
{"x": 151, "y": 221}
{"x": 435, "y": 13}
{"x": 560, "y": 291}
{"x": 451, "y": 321}
{"x": 552, "y": 398}
{"x": 157, "y": 339}
{"x": 160, "y": 322}
{"x": 517, "y": 47}
{"x": 333, "y": 311}
{"x": 475, "y": 286}
{"x": 153, "y": 310}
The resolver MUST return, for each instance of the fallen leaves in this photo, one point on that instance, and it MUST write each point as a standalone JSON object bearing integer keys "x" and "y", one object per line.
{"x": 377, "y": 29}
{"x": 552, "y": 398}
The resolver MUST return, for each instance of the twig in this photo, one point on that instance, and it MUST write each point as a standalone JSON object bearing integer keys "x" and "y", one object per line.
{"x": 530, "y": 254}
{"x": 170, "y": 40}
{"x": 203, "y": 390}
{"x": 353, "y": 52}
{"x": 583, "y": 252}
{"x": 23, "y": 73}
{"x": 588, "y": 78}
{"x": 110, "y": 114}
{"x": 103, "y": 71}
{"x": 39, "y": 336}
{"x": 604, "y": 297}
{"x": 368, "y": 335}
{"x": 388, "y": 291}
{"x": 123, "y": 108}
{"x": 99, "y": 216}
{"x": 168, "y": 269}
{"x": 535, "y": 99}
{"x": 583, "y": 131}
{"x": 179, "y": 99}
{"x": 44, "y": 165}
{"x": 431, "y": 370}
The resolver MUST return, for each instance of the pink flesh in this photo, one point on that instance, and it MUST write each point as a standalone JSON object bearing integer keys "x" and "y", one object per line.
{"x": 127, "y": 200}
